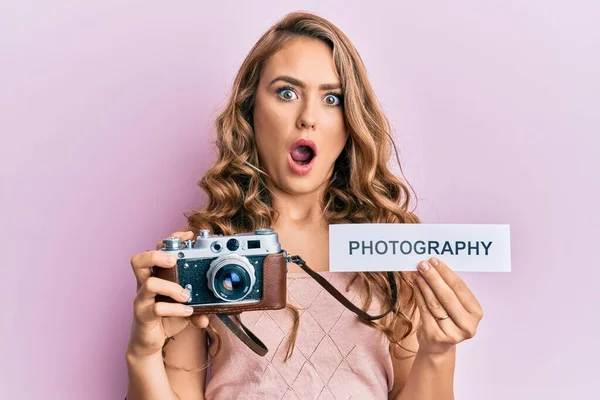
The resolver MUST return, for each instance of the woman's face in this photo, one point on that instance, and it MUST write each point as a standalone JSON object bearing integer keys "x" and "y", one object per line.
{"x": 298, "y": 116}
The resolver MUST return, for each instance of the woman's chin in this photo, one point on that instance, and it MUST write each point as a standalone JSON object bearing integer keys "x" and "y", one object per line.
{"x": 300, "y": 186}
{"x": 288, "y": 180}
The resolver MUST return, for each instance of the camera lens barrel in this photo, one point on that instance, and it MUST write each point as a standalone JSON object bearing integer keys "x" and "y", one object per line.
{"x": 231, "y": 277}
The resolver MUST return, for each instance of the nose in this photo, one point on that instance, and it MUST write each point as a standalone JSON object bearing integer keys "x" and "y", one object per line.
{"x": 308, "y": 116}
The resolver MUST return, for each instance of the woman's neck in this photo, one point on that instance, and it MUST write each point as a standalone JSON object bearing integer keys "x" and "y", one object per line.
{"x": 302, "y": 228}
{"x": 298, "y": 210}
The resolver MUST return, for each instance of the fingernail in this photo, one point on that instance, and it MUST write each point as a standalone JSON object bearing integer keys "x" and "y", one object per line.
{"x": 424, "y": 266}
{"x": 434, "y": 261}
{"x": 185, "y": 294}
{"x": 169, "y": 259}
{"x": 189, "y": 310}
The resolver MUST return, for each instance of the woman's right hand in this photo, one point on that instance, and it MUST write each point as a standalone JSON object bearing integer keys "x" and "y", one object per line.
{"x": 153, "y": 321}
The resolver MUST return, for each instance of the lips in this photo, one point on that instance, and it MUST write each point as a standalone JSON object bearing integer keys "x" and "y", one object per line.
{"x": 302, "y": 155}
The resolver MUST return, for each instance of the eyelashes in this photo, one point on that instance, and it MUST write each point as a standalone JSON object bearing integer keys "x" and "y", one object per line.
{"x": 283, "y": 90}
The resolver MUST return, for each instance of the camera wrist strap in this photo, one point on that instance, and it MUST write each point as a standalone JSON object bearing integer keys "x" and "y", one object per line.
{"x": 341, "y": 298}
{"x": 254, "y": 343}
{"x": 244, "y": 334}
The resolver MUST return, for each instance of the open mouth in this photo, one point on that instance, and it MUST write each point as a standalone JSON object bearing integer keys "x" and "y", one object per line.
{"x": 303, "y": 151}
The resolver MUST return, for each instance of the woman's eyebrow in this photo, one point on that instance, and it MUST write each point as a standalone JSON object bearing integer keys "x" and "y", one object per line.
{"x": 299, "y": 83}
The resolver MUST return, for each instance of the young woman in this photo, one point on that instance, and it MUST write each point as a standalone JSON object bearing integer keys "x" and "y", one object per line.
{"x": 303, "y": 144}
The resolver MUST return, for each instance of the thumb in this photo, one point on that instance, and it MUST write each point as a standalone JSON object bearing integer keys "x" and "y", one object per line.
{"x": 199, "y": 321}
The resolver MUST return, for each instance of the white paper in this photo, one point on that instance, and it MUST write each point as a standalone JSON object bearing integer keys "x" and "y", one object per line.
{"x": 400, "y": 247}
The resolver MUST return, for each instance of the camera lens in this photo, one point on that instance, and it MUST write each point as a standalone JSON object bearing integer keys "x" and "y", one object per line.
{"x": 233, "y": 244}
{"x": 231, "y": 277}
{"x": 232, "y": 282}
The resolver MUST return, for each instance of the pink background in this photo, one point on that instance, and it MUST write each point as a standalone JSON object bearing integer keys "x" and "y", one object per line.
{"x": 106, "y": 115}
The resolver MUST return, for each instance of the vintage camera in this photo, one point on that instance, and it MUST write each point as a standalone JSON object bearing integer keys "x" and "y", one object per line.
{"x": 229, "y": 274}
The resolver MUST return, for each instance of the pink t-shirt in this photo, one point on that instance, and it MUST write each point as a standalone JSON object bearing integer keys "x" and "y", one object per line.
{"x": 335, "y": 355}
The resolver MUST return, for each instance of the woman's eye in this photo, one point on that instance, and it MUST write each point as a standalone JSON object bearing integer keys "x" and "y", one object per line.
{"x": 332, "y": 100}
{"x": 287, "y": 94}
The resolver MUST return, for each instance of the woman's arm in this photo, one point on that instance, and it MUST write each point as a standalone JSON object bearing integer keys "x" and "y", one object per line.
{"x": 448, "y": 314}
{"x": 422, "y": 376}
{"x": 431, "y": 377}
{"x": 185, "y": 356}
{"x": 149, "y": 378}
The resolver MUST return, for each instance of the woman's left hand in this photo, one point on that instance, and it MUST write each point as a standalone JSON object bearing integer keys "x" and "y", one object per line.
{"x": 449, "y": 311}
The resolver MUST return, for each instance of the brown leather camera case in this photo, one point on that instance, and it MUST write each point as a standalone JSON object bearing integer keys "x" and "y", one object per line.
{"x": 274, "y": 288}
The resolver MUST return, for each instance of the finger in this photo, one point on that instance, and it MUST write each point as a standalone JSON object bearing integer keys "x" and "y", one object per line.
{"x": 142, "y": 263}
{"x": 436, "y": 309}
{"x": 162, "y": 309}
{"x": 154, "y": 286}
{"x": 460, "y": 288}
{"x": 438, "y": 295}
{"x": 187, "y": 235}
{"x": 145, "y": 300}
{"x": 152, "y": 312}
{"x": 200, "y": 321}
{"x": 427, "y": 320}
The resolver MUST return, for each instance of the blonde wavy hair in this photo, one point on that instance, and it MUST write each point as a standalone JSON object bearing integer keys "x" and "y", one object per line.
{"x": 362, "y": 189}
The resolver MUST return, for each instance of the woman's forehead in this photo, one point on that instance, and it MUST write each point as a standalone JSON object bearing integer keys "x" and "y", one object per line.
{"x": 307, "y": 60}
